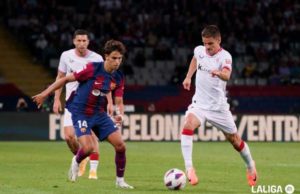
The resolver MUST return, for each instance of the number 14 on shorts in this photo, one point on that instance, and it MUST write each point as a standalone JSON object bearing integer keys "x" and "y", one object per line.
{"x": 82, "y": 124}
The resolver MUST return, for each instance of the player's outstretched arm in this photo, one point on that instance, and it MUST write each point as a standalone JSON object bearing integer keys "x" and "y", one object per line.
{"x": 192, "y": 68}
{"x": 40, "y": 98}
{"x": 57, "y": 108}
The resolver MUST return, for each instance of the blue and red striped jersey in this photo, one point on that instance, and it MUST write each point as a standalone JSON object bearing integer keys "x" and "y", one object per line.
{"x": 94, "y": 84}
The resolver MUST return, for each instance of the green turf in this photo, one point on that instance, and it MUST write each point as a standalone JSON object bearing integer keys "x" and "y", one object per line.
{"x": 41, "y": 168}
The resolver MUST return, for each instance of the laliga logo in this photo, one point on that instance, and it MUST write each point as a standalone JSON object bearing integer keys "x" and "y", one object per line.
{"x": 289, "y": 189}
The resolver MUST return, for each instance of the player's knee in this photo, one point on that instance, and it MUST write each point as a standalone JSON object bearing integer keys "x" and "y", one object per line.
{"x": 236, "y": 142}
{"x": 120, "y": 147}
{"x": 191, "y": 122}
{"x": 88, "y": 149}
{"x": 236, "y": 146}
{"x": 95, "y": 148}
{"x": 70, "y": 138}
{"x": 188, "y": 124}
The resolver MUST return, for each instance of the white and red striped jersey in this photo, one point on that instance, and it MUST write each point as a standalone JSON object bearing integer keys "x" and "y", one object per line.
{"x": 70, "y": 62}
{"x": 210, "y": 91}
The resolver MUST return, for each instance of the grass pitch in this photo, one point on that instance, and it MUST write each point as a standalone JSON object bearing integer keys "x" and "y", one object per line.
{"x": 41, "y": 168}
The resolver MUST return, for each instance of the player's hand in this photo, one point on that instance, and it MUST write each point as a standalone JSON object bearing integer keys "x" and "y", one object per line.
{"x": 39, "y": 99}
{"x": 118, "y": 119}
{"x": 187, "y": 83}
{"x": 110, "y": 109}
{"x": 215, "y": 73}
{"x": 57, "y": 107}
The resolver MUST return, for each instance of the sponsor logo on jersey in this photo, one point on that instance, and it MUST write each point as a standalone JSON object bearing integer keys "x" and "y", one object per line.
{"x": 202, "y": 68}
{"x": 96, "y": 92}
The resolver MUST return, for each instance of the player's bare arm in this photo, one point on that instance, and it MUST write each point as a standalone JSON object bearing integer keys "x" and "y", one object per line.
{"x": 223, "y": 75}
{"x": 57, "y": 103}
{"x": 40, "y": 98}
{"x": 110, "y": 107}
{"x": 188, "y": 79}
{"x": 119, "y": 104}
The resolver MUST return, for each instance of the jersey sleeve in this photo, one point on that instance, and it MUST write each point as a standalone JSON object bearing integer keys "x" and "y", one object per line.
{"x": 86, "y": 73}
{"x": 227, "y": 62}
{"x": 196, "y": 52}
{"x": 62, "y": 66}
{"x": 100, "y": 58}
{"x": 119, "y": 91}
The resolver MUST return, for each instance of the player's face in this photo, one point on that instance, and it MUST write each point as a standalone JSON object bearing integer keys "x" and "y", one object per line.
{"x": 211, "y": 44}
{"x": 113, "y": 60}
{"x": 81, "y": 43}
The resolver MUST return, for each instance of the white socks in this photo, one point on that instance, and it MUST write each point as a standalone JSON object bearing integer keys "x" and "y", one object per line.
{"x": 120, "y": 179}
{"x": 94, "y": 165}
{"x": 187, "y": 149}
{"x": 246, "y": 155}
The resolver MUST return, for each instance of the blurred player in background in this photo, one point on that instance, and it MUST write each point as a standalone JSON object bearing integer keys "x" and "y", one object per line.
{"x": 87, "y": 106}
{"x": 74, "y": 60}
{"x": 213, "y": 65}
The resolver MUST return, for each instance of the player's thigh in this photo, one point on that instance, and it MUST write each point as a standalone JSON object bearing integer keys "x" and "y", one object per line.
{"x": 83, "y": 132}
{"x": 104, "y": 126}
{"x": 69, "y": 132}
{"x": 107, "y": 129}
{"x": 86, "y": 142}
{"x": 223, "y": 120}
{"x": 82, "y": 125}
{"x": 67, "y": 118}
{"x": 116, "y": 140}
{"x": 194, "y": 117}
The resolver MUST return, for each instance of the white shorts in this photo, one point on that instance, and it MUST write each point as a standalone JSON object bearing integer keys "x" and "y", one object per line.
{"x": 222, "y": 120}
{"x": 67, "y": 118}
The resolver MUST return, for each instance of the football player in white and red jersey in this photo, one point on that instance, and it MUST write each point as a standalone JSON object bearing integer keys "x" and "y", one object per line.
{"x": 75, "y": 60}
{"x": 212, "y": 65}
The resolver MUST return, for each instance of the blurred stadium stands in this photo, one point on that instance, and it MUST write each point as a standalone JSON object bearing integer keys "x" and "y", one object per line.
{"x": 263, "y": 38}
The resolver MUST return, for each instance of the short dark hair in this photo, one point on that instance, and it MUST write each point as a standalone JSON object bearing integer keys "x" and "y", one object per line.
{"x": 114, "y": 45}
{"x": 80, "y": 32}
{"x": 211, "y": 31}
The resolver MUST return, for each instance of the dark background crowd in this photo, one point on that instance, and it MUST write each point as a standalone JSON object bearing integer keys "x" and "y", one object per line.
{"x": 262, "y": 36}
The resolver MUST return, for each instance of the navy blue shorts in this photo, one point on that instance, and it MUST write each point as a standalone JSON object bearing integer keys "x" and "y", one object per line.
{"x": 101, "y": 124}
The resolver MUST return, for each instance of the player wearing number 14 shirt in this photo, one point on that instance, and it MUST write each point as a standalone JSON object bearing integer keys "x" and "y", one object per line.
{"x": 87, "y": 107}
{"x": 74, "y": 60}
